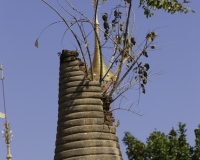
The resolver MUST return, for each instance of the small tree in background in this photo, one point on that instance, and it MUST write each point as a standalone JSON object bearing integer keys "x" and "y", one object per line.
{"x": 196, "y": 149}
{"x": 172, "y": 146}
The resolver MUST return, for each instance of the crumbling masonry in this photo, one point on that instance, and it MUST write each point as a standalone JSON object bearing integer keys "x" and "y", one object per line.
{"x": 83, "y": 131}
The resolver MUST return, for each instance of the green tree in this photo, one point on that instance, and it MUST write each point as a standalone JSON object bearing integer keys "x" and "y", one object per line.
{"x": 172, "y": 146}
{"x": 157, "y": 146}
{"x": 135, "y": 149}
{"x": 196, "y": 149}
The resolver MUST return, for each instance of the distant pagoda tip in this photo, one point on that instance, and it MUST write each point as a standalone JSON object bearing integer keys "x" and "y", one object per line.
{"x": 7, "y": 133}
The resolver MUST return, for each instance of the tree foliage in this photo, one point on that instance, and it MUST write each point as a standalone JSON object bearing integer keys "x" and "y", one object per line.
{"x": 172, "y": 146}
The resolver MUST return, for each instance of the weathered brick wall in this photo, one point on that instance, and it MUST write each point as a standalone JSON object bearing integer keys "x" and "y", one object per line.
{"x": 81, "y": 131}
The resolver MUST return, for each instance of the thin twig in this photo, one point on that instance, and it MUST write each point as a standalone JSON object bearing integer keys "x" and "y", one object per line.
{"x": 113, "y": 55}
{"x": 47, "y": 27}
{"x": 133, "y": 64}
{"x": 121, "y": 63}
{"x": 65, "y": 33}
{"x": 91, "y": 22}
{"x": 75, "y": 36}
{"x": 83, "y": 35}
{"x": 127, "y": 110}
{"x": 93, "y": 25}
{"x": 88, "y": 51}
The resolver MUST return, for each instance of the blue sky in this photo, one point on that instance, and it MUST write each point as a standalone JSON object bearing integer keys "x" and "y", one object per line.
{"x": 31, "y": 76}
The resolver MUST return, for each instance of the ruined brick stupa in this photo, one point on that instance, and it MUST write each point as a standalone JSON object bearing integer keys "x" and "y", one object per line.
{"x": 85, "y": 130}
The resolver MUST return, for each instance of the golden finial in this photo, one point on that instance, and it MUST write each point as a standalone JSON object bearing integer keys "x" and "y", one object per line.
{"x": 97, "y": 60}
{"x": 7, "y": 133}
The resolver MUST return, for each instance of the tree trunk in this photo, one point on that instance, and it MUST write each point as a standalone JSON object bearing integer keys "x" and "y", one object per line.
{"x": 82, "y": 133}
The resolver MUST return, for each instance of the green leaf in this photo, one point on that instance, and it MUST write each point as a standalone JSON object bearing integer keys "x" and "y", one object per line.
{"x": 105, "y": 16}
{"x": 133, "y": 40}
{"x": 146, "y": 65}
{"x": 145, "y": 53}
{"x": 147, "y": 12}
{"x": 141, "y": 1}
{"x": 193, "y": 11}
{"x": 36, "y": 43}
{"x": 104, "y": 1}
{"x": 59, "y": 54}
{"x": 128, "y": 1}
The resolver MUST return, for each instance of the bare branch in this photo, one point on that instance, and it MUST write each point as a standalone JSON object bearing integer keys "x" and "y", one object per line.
{"x": 90, "y": 21}
{"x": 121, "y": 63}
{"x": 75, "y": 36}
{"x": 113, "y": 55}
{"x": 65, "y": 33}
{"x": 130, "y": 68}
{"x": 127, "y": 110}
{"x": 88, "y": 51}
{"x": 110, "y": 82}
{"x": 84, "y": 37}
{"x": 47, "y": 27}
{"x": 120, "y": 94}
{"x": 120, "y": 101}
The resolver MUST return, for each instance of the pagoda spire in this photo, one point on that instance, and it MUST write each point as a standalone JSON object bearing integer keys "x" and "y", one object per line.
{"x": 7, "y": 133}
{"x": 98, "y": 59}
